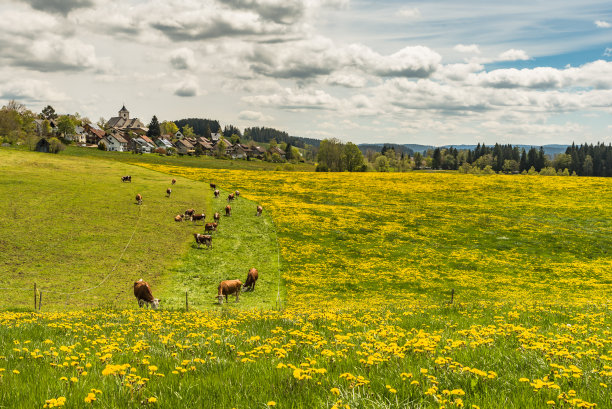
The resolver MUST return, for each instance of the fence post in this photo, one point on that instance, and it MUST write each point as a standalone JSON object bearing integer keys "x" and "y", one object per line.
{"x": 452, "y": 295}
{"x": 186, "y": 302}
{"x": 39, "y": 300}
{"x": 35, "y": 296}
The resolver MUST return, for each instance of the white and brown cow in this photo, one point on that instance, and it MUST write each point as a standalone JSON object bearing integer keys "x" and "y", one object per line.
{"x": 210, "y": 227}
{"x": 189, "y": 212}
{"x": 203, "y": 239}
{"x": 259, "y": 210}
{"x": 217, "y": 217}
{"x": 143, "y": 294}
{"x": 178, "y": 218}
{"x": 228, "y": 210}
{"x": 228, "y": 287}
{"x": 197, "y": 217}
{"x": 168, "y": 192}
{"x": 217, "y": 193}
{"x": 139, "y": 198}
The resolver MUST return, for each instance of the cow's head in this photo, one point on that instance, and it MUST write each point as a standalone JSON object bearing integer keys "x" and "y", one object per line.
{"x": 155, "y": 303}
{"x": 220, "y": 299}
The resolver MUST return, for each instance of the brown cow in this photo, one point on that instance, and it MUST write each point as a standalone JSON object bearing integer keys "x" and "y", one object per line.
{"x": 213, "y": 186}
{"x": 230, "y": 197}
{"x": 228, "y": 210}
{"x": 173, "y": 181}
{"x": 196, "y": 217}
{"x": 178, "y": 218}
{"x": 210, "y": 227}
{"x": 217, "y": 193}
{"x": 251, "y": 279}
{"x": 189, "y": 212}
{"x": 203, "y": 239}
{"x": 237, "y": 193}
{"x": 168, "y": 192}
{"x": 143, "y": 294}
{"x": 139, "y": 198}
{"x": 217, "y": 217}
{"x": 259, "y": 210}
{"x": 228, "y": 287}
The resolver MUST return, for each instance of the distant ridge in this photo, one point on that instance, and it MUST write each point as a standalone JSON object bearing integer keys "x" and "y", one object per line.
{"x": 550, "y": 149}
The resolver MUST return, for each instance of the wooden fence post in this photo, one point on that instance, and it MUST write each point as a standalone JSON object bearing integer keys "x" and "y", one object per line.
{"x": 452, "y": 295}
{"x": 186, "y": 302}
{"x": 39, "y": 300}
{"x": 35, "y": 296}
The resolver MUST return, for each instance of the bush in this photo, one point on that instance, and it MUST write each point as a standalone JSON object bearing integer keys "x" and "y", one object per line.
{"x": 488, "y": 170}
{"x": 171, "y": 151}
{"x": 102, "y": 146}
{"x": 548, "y": 171}
{"x": 55, "y": 146}
{"x": 321, "y": 167}
{"x": 161, "y": 151}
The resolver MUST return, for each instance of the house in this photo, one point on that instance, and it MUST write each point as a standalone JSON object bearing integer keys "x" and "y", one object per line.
{"x": 179, "y": 135}
{"x": 184, "y": 147}
{"x": 40, "y": 126}
{"x": 215, "y": 136}
{"x": 205, "y": 145}
{"x": 123, "y": 122}
{"x": 239, "y": 151}
{"x": 79, "y": 135}
{"x": 93, "y": 135}
{"x": 163, "y": 143}
{"x": 42, "y": 146}
{"x": 140, "y": 145}
{"x": 115, "y": 142}
{"x": 257, "y": 152}
{"x": 278, "y": 151}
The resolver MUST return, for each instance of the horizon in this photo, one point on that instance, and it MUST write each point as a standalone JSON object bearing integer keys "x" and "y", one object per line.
{"x": 435, "y": 73}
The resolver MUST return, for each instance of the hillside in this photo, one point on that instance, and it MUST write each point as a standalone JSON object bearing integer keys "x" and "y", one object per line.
{"x": 65, "y": 222}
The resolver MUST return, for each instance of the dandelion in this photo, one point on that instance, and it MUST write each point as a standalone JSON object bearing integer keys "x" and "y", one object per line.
{"x": 335, "y": 391}
{"x": 271, "y": 403}
{"x": 152, "y": 399}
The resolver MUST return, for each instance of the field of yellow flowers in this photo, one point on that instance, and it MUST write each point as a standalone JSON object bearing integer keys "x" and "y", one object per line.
{"x": 369, "y": 262}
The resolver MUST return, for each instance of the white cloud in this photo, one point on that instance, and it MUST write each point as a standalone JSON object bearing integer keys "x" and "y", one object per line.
{"x": 409, "y": 12}
{"x": 513, "y": 55}
{"x": 602, "y": 24}
{"x": 30, "y": 90}
{"x": 183, "y": 59}
{"x": 472, "y": 48}
{"x": 255, "y": 116}
{"x": 188, "y": 87}
{"x": 300, "y": 99}
{"x": 608, "y": 52}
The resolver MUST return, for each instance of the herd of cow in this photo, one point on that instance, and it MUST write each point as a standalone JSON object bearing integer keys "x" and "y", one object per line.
{"x": 142, "y": 290}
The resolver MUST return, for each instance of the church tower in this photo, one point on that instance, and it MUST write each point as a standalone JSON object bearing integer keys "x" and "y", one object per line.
{"x": 124, "y": 113}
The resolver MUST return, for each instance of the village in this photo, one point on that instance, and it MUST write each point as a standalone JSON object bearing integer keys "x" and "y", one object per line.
{"x": 122, "y": 133}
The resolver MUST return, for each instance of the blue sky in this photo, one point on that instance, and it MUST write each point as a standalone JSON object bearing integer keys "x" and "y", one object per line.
{"x": 435, "y": 72}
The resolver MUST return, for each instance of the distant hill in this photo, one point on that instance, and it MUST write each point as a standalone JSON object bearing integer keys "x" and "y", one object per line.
{"x": 551, "y": 149}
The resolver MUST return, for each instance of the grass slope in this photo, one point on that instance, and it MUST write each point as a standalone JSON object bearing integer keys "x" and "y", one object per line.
{"x": 65, "y": 221}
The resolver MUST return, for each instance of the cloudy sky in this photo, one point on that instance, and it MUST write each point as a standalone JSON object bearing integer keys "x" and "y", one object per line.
{"x": 434, "y": 72}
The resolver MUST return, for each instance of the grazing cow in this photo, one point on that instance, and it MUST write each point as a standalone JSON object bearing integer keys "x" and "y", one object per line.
{"x": 217, "y": 217}
{"x": 217, "y": 193}
{"x": 228, "y": 210}
{"x": 143, "y": 294}
{"x": 189, "y": 212}
{"x": 168, "y": 192}
{"x": 237, "y": 193}
{"x": 251, "y": 279}
{"x": 196, "y": 217}
{"x": 210, "y": 227}
{"x": 228, "y": 287}
{"x": 259, "y": 210}
{"x": 173, "y": 181}
{"x": 203, "y": 239}
{"x": 139, "y": 198}
{"x": 213, "y": 186}
{"x": 178, "y": 218}
{"x": 126, "y": 179}
{"x": 230, "y": 197}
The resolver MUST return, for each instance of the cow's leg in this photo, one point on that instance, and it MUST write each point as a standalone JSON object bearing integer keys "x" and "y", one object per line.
{"x": 237, "y": 295}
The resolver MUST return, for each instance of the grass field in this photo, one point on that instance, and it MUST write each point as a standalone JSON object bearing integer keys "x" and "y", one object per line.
{"x": 65, "y": 222}
{"x": 368, "y": 262}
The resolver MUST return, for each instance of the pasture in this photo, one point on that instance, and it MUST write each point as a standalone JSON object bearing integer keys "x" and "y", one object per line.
{"x": 368, "y": 262}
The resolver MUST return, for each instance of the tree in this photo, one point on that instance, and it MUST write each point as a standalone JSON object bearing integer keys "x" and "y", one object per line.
{"x": 234, "y": 139}
{"x": 352, "y": 158}
{"x": 188, "y": 131}
{"x": 198, "y": 150}
{"x": 55, "y": 145}
{"x": 207, "y": 133}
{"x": 288, "y": 152}
{"x": 273, "y": 143}
{"x": 65, "y": 126}
{"x": 154, "y": 131}
{"x": 220, "y": 149}
{"x": 436, "y": 159}
{"x": 418, "y": 160}
{"x": 587, "y": 167}
{"x": 48, "y": 113}
{"x": 510, "y": 166}
{"x": 168, "y": 128}
{"x": 330, "y": 155}
{"x": 381, "y": 164}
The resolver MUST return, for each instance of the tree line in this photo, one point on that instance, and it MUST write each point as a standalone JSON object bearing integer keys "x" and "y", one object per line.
{"x": 265, "y": 135}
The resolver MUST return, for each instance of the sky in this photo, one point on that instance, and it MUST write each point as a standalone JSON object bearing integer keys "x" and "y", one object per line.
{"x": 437, "y": 72}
